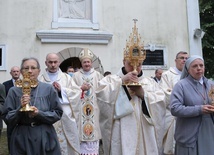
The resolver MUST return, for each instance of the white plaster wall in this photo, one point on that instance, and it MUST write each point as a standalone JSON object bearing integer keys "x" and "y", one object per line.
{"x": 159, "y": 22}
{"x": 18, "y": 22}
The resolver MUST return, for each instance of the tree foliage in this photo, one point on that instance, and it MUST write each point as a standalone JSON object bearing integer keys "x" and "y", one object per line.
{"x": 207, "y": 25}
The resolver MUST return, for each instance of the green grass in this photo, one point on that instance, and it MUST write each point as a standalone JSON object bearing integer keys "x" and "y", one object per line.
{"x": 3, "y": 143}
{"x": 4, "y": 148}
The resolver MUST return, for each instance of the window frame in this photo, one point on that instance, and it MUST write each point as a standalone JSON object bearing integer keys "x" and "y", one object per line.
{"x": 3, "y": 60}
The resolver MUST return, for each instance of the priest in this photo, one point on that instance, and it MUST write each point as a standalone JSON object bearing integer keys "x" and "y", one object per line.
{"x": 132, "y": 108}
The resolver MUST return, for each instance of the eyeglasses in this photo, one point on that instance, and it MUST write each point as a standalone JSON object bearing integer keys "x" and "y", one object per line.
{"x": 182, "y": 58}
{"x": 30, "y": 68}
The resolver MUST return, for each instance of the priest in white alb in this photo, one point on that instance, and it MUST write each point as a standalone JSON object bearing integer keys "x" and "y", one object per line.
{"x": 132, "y": 107}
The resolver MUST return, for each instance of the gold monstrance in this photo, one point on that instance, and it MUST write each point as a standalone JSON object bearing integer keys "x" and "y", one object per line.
{"x": 134, "y": 51}
{"x": 26, "y": 84}
{"x": 211, "y": 94}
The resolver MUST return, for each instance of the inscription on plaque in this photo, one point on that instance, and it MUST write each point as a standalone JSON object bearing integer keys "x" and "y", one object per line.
{"x": 154, "y": 58}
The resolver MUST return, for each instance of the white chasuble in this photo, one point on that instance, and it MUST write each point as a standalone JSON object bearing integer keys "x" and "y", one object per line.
{"x": 136, "y": 133}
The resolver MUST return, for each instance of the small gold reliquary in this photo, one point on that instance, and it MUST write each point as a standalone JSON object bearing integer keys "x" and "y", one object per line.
{"x": 26, "y": 84}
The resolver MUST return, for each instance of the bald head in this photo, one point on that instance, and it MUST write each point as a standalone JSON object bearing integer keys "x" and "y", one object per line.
{"x": 158, "y": 73}
{"x": 51, "y": 56}
{"x": 15, "y": 72}
{"x": 52, "y": 62}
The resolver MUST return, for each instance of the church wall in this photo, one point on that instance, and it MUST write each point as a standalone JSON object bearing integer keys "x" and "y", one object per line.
{"x": 159, "y": 22}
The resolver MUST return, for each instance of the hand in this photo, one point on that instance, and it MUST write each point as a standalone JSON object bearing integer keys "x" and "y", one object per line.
{"x": 57, "y": 86}
{"x": 130, "y": 77}
{"x": 85, "y": 86}
{"x": 32, "y": 114}
{"x": 207, "y": 109}
{"x": 25, "y": 99}
{"x": 138, "y": 91}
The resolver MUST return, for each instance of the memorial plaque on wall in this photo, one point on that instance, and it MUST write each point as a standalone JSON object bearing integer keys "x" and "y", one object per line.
{"x": 154, "y": 58}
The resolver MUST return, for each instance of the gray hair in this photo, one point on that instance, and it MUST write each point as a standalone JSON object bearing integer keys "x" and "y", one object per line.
{"x": 181, "y": 52}
{"x": 30, "y": 58}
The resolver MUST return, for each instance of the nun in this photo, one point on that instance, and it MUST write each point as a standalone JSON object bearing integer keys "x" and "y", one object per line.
{"x": 191, "y": 105}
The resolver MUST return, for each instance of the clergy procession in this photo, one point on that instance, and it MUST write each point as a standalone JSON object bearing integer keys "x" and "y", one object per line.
{"x": 51, "y": 112}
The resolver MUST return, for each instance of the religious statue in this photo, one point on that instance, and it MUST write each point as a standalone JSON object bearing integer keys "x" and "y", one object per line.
{"x": 74, "y": 9}
{"x": 26, "y": 83}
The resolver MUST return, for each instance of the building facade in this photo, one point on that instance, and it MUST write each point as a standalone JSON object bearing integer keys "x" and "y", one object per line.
{"x": 35, "y": 28}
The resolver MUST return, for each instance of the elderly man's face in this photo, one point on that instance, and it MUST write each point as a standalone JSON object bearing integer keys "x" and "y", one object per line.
{"x": 15, "y": 73}
{"x": 52, "y": 62}
{"x": 130, "y": 68}
{"x": 86, "y": 64}
{"x": 159, "y": 74}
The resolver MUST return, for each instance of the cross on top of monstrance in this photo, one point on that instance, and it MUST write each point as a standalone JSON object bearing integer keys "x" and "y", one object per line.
{"x": 134, "y": 51}
{"x": 26, "y": 84}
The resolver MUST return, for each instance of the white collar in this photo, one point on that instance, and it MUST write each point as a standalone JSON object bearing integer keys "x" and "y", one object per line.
{"x": 201, "y": 81}
{"x": 177, "y": 71}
